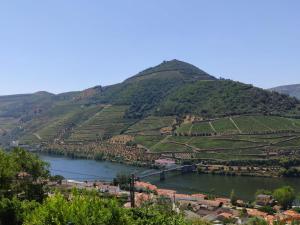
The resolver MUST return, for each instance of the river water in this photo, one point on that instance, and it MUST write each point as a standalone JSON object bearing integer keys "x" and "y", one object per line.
{"x": 244, "y": 187}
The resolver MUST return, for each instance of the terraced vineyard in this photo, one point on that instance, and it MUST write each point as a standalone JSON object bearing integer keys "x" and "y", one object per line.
{"x": 106, "y": 123}
{"x": 151, "y": 125}
{"x": 239, "y": 137}
{"x": 241, "y": 124}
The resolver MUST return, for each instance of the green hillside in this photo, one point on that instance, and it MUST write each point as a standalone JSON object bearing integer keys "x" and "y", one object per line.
{"x": 172, "y": 107}
{"x": 224, "y": 97}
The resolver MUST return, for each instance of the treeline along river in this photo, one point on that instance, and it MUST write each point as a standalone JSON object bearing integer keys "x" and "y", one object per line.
{"x": 244, "y": 187}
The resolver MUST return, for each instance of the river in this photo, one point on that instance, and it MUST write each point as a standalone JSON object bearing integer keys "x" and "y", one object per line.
{"x": 244, "y": 187}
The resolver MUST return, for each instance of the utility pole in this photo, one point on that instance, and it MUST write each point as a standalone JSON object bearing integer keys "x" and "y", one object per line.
{"x": 132, "y": 197}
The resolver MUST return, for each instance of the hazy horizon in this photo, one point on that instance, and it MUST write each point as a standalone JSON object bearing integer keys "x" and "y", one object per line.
{"x": 66, "y": 46}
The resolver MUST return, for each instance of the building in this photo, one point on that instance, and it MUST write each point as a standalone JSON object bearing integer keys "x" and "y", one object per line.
{"x": 166, "y": 193}
{"x": 164, "y": 162}
{"x": 144, "y": 186}
{"x": 210, "y": 204}
{"x": 256, "y": 213}
{"x": 264, "y": 200}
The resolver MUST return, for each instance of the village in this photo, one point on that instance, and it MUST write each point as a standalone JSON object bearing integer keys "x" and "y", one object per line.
{"x": 214, "y": 209}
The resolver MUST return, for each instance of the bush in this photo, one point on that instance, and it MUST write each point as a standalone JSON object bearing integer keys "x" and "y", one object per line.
{"x": 267, "y": 209}
{"x": 285, "y": 196}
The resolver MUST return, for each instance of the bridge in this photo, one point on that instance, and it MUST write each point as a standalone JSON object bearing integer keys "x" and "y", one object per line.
{"x": 162, "y": 173}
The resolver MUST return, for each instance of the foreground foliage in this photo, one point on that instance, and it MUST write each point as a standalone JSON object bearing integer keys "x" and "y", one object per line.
{"x": 89, "y": 209}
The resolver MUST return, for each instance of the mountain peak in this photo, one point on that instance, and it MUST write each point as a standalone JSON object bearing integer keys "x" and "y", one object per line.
{"x": 175, "y": 66}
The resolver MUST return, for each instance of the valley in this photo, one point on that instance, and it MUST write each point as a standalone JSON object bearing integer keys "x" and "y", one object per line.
{"x": 173, "y": 110}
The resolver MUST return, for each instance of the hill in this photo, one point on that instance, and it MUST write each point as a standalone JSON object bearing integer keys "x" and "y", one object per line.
{"x": 292, "y": 90}
{"x": 172, "y": 107}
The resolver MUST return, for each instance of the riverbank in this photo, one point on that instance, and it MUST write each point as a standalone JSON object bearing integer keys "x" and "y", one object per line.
{"x": 133, "y": 156}
{"x": 191, "y": 183}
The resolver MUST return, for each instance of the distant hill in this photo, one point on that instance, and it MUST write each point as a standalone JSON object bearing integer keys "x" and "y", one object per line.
{"x": 292, "y": 90}
{"x": 173, "y": 98}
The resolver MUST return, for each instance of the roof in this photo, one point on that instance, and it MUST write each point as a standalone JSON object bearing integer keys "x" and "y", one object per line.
{"x": 183, "y": 196}
{"x": 213, "y": 203}
{"x": 23, "y": 174}
{"x": 199, "y": 196}
{"x": 256, "y": 213}
{"x": 292, "y": 214}
{"x": 166, "y": 192}
{"x": 270, "y": 219}
{"x": 165, "y": 161}
{"x": 223, "y": 200}
{"x": 145, "y": 185}
{"x": 226, "y": 215}
{"x": 263, "y": 196}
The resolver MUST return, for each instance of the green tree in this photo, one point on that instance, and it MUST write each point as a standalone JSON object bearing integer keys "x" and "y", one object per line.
{"x": 285, "y": 196}
{"x": 29, "y": 163}
{"x": 257, "y": 221}
{"x": 123, "y": 180}
{"x": 13, "y": 211}
{"x": 7, "y": 172}
{"x": 88, "y": 208}
{"x": 22, "y": 173}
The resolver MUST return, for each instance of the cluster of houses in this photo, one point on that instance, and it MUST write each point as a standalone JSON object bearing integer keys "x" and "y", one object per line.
{"x": 216, "y": 210}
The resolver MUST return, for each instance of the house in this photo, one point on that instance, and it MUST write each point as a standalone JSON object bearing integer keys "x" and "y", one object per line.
{"x": 199, "y": 196}
{"x": 256, "y": 213}
{"x": 225, "y": 201}
{"x": 23, "y": 175}
{"x": 74, "y": 183}
{"x": 141, "y": 198}
{"x": 114, "y": 190}
{"x": 164, "y": 162}
{"x": 225, "y": 216}
{"x": 143, "y": 186}
{"x": 210, "y": 204}
{"x": 264, "y": 200}
{"x": 270, "y": 219}
{"x": 291, "y": 215}
{"x": 166, "y": 131}
{"x": 166, "y": 193}
{"x": 184, "y": 197}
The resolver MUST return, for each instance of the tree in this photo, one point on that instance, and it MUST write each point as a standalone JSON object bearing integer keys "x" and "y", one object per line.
{"x": 285, "y": 196}
{"x": 13, "y": 211}
{"x": 122, "y": 180}
{"x": 89, "y": 209}
{"x": 29, "y": 163}
{"x": 257, "y": 221}
{"x": 22, "y": 173}
{"x": 7, "y": 172}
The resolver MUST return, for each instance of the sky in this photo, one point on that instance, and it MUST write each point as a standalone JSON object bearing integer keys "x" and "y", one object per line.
{"x": 67, "y": 45}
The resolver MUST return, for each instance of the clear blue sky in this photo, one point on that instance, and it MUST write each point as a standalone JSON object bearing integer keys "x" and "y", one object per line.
{"x": 64, "y": 45}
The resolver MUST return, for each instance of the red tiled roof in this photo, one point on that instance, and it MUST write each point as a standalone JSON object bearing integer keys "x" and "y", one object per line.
{"x": 292, "y": 214}
{"x": 145, "y": 185}
{"x": 223, "y": 200}
{"x": 256, "y": 213}
{"x": 200, "y": 196}
{"x": 166, "y": 192}
{"x": 226, "y": 215}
